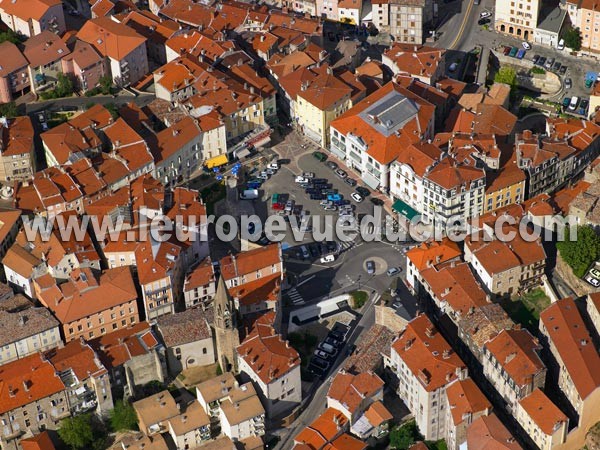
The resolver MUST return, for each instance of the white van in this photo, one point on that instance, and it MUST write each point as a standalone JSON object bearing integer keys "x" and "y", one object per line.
{"x": 249, "y": 194}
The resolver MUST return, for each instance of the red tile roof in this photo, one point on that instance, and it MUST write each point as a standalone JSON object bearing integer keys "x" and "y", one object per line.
{"x": 351, "y": 390}
{"x": 110, "y": 38}
{"x": 267, "y": 354}
{"x": 427, "y": 354}
{"x": 377, "y": 414}
{"x": 323, "y": 429}
{"x": 567, "y": 331}
{"x": 464, "y": 397}
{"x": 257, "y": 291}
{"x": 543, "y": 412}
{"x": 488, "y": 433}
{"x": 40, "y": 441}
{"x": 433, "y": 252}
{"x": 116, "y": 348}
{"x": 416, "y": 60}
{"x": 78, "y": 357}
{"x": 33, "y": 371}
{"x": 248, "y": 262}
{"x": 16, "y": 137}
{"x": 27, "y": 10}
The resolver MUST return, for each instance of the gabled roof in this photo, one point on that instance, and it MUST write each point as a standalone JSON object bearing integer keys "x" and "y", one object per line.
{"x": 12, "y": 58}
{"x": 433, "y": 252}
{"x": 416, "y": 60}
{"x": 27, "y": 10}
{"x": 44, "y": 48}
{"x": 78, "y": 357}
{"x": 16, "y": 136}
{"x": 40, "y": 441}
{"x": 250, "y": 261}
{"x": 543, "y": 412}
{"x": 567, "y": 331}
{"x": 488, "y": 433}
{"x": 184, "y": 327}
{"x": 350, "y": 390}
{"x": 116, "y": 348}
{"x": 427, "y": 354}
{"x": 323, "y": 429}
{"x": 110, "y": 38}
{"x": 266, "y": 353}
{"x": 464, "y": 397}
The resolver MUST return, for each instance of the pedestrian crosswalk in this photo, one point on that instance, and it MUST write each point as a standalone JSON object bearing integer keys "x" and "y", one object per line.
{"x": 347, "y": 245}
{"x": 295, "y": 296}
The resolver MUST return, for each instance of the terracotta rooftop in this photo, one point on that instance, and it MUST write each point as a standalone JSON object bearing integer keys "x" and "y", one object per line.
{"x": 466, "y": 399}
{"x": 78, "y": 357}
{"x": 26, "y": 381}
{"x": 140, "y": 441}
{"x": 44, "y": 48}
{"x": 184, "y": 327}
{"x": 427, "y": 354}
{"x": 110, "y": 38}
{"x": 322, "y": 430}
{"x": 266, "y": 353}
{"x": 350, "y": 390}
{"x": 250, "y": 261}
{"x": 543, "y": 412}
{"x": 517, "y": 354}
{"x": 484, "y": 323}
{"x": 201, "y": 275}
{"x": 12, "y": 58}
{"x": 433, "y": 252}
{"x": 40, "y": 441}
{"x": 369, "y": 350}
{"x": 377, "y": 414}
{"x": 27, "y": 10}
{"x": 16, "y": 137}
{"x": 488, "y": 433}
{"x": 567, "y": 331}
{"x": 416, "y": 60}
{"x": 26, "y": 322}
{"x": 255, "y": 292}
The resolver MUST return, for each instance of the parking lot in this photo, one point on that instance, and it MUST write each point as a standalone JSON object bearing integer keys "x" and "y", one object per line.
{"x": 328, "y": 350}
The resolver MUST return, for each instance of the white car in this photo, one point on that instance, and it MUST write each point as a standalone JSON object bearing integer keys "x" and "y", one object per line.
{"x": 301, "y": 179}
{"x": 308, "y": 174}
{"x": 356, "y": 197}
{"x": 393, "y": 271}
{"x": 526, "y": 45}
{"x": 485, "y": 14}
{"x": 328, "y": 259}
{"x": 273, "y": 166}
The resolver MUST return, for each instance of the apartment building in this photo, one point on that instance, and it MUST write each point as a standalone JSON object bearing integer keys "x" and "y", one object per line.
{"x": 572, "y": 348}
{"x": 188, "y": 340}
{"x": 251, "y": 265}
{"x": 513, "y": 366}
{"x": 427, "y": 64}
{"x": 350, "y": 11}
{"x": 200, "y": 285}
{"x": 31, "y": 17}
{"x": 10, "y": 224}
{"x": 84, "y": 376}
{"x": 425, "y": 365}
{"x": 17, "y": 162}
{"x": 44, "y": 52}
{"x": 85, "y": 65}
{"x": 517, "y": 18}
{"x": 464, "y": 404}
{"x": 178, "y": 152}
{"x": 124, "y": 48}
{"x": 133, "y": 357}
{"x": 197, "y": 44}
{"x": 453, "y": 289}
{"x": 25, "y": 329}
{"x": 369, "y": 137}
{"x": 236, "y": 407}
{"x": 156, "y": 31}
{"x": 588, "y": 23}
{"x": 426, "y": 255}
{"x": 328, "y": 431}
{"x": 14, "y": 72}
{"x": 89, "y": 304}
{"x": 380, "y": 14}
{"x": 21, "y": 267}
{"x": 408, "y": 19}
{"x": 33, "y": 398}
{"x": 506, "y": 268}
{"x": 545, "y": 424}
{"x": 272, "y": 365}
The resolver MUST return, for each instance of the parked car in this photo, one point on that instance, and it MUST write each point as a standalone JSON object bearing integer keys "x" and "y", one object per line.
{"x": 393, "y": 271}
{"x": 273, "y": 165}
{"x": 526, "y": 45}
{"x": 485, "y": 14}
{"x": 350, "y": 181}
{"x": 341, "y": 173}
{"x": 568, "y": 83}
{"x": 542, "y": 61}
{"x": 329, "y": 191}
{"x": 328, "y": 259}
{"x": 271, "y": 171}
{"x": 263, "y": 176}
{"x": 305, "y": 253}
{"x": 563, "y": 70}
{"x": 452, "y": 68}
{"x": 549, "y": 63}
{"x": 327, "y": 348}
{"x": 535, "y": 59}
{"x": 356, "y": 197}
{"x": 574, "y": 103}
{"x": 334, "y": 197}
{"x": 506, "y": 50}
{"x": 321, "y": 354}
{"x": 363, "y": 191}
{"x": 520, "y": 54}
{"x": 308, "y": 174}
{"x": 319, "y": 180}
{"x": 377, "y": 201}
{"x": 332, "y": 165}
{"x": 556, "y": 66}
{"x": 278, "y": 206}
{"x": 561, "y": 44}
{"x": 332, "y": 342}
{"x": 566, "y": 102}
{"x": 289, "y": 206}
{"x": 317, "y": 196}
{"x": 370, "y": 267}
{"x": 513, "y": 52}
{"x": 329, "y": 208}
{"x": 320, "y": 156}
{"x": 44, "y": 126}
{"x": 583, "y": 107}
{"x": 483, "y": 21}
{"x": 249, "y": 194}
{"x": 320, "y": 363}
{"x": 301, "y": 179}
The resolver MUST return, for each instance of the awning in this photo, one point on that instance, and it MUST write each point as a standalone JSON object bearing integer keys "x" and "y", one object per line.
{"x": 370, "y": 180}
{"x": 216, "y": 161}
{"x": 242, "y": 153}
{"x": 402, "y": 208}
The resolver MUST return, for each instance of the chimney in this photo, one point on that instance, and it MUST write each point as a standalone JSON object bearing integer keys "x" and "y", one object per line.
{"x": 446, "y": 354}
{"x": 11, "y": 392}
{"x": 262, "y": 38}
{"x": 430, "y": 331}
{"x": 26, "y": 385}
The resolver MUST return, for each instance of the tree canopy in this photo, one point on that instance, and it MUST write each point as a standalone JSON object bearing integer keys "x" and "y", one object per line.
{"x": 402, "y": 437}
{"x": 123, "y": 417}
{"x": 572, "y": 39}
{"x": 81, "y": 432}
{"x": 581, "y": 253}
{"x": 506, "y": 75}
{"x": 8, "y": 110}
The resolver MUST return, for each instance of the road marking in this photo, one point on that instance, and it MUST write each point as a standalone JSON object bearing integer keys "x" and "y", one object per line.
{"x": 295, "y": 296}
{"x": 304, "y": 281}
{"x": 462, "y": 26}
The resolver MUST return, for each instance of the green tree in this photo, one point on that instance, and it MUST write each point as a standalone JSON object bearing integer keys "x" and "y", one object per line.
{"x": 404, "y": 436}
{"x": 506, "y": 75}
{"x": 105, "y": 85}
{"x": 123, "y": 417}
{"x": 77, "y": 432}
{"x": 579, "y": 254}
{"x": 112, "y": 109}
{"x": 572, "y": 39}
{"x": 9, "y": 36}
{"x": 64, "y": 86}
{"x": 8, "y": 110}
